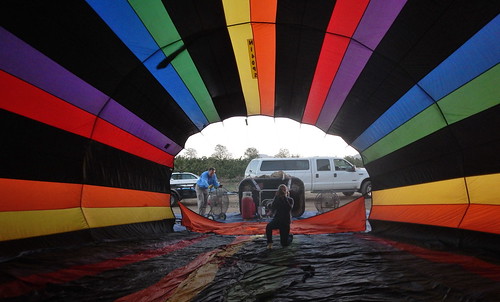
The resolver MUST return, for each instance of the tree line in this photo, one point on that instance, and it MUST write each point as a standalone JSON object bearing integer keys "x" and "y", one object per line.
{"x": 228, "y": 167}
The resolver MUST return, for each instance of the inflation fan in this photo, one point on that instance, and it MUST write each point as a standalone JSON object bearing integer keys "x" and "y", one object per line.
{"x": 218, "y": 201}
{"x": 326, "y": 201}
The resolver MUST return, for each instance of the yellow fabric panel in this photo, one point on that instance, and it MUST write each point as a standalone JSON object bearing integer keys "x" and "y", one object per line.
{"x": 451, "y": 191}
{"x": 101, "y": 217}
{"x": 238, "y": 21}
{"x": 484, "y": 189}
{"x": 24, "y": 224}
{"x": 236, "y": 11}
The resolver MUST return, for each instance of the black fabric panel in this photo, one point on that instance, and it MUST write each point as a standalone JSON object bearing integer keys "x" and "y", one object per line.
{"x": 110, "y": 167}
{"x": 32, "y": 150}
{"x": 36, "y": 151}
{"x": 479, "y": 139}
{"x": 151, "y": 229}
{"x": 456, "y": 151}
{"x": 483, "y": 245}
{"x": 134, "y": 230}
{"x": 300, "y": 31}
{"x": 423, "y": 35}
{"x": 72, "y": 34}
{"x": 202, "y": 26}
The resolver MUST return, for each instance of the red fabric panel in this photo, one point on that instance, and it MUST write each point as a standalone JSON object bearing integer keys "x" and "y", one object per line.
{"x": 24, "y": 99}
{"x": 331, "y": 55}
{"x": 113, "y": 136}
{"x": 345, "y": 18}
{"x": 482, "y": 218}
{"x": 472, "y": 264}
{"x": 348, "y": 218}
{"x": 166, "y": 287}
{"x": 448, "y": 215}
{"x": 26, "y": 284}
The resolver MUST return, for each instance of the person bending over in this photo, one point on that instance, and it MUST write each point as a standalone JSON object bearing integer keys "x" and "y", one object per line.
{"x": 281, "y": 210}
{"x": 207, "y": 180}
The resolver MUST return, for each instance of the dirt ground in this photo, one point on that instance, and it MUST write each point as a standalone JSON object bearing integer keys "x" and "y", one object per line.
{"x": 234, "y": 205}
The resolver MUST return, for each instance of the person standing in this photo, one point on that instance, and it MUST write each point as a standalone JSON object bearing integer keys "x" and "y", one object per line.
{"x": 281, "y": 208}
{"x": 207, "y": 180}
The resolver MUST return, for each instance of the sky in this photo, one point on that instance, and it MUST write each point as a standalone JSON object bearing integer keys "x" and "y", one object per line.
{"x": 268, "y": 135}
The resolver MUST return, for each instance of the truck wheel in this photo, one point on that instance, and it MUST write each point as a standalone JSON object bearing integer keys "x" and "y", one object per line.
{"x": 366, "y": 189}
{"x": 174, "y": 199}
{"x": 348, "y": 193}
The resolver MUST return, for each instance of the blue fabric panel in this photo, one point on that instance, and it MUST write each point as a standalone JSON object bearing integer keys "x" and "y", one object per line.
{"x": 122, "y": 19}
{"x": 413, "y": 102}
{"x": 477, "y": 55}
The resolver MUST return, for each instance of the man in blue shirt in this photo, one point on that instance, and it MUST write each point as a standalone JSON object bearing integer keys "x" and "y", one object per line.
{"x": 208, "y": 179}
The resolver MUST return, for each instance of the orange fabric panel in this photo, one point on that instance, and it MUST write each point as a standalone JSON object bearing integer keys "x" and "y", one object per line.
{"x": 24, "y": 99}
{"x": 109, "y": 134}
{"x": 28, "y": 195}
{"x": 439, "y": 215}
{"x": 482, "y": 218}
{"x": 108, "y": 197}
{"x": 348, "y": 218}
{"x": 263, "y": 17}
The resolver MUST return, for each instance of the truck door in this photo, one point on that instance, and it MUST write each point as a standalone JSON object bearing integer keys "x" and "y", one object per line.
{"x": 345, "y": 176}
{"x": 322, "y": 174}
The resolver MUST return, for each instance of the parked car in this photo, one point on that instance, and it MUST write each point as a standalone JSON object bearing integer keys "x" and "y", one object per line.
{"x": 183, "y": 178}
{"x": 182, "y": 185}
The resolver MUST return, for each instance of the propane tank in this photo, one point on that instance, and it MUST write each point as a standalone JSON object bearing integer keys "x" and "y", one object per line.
{"x": 247, "y": 206}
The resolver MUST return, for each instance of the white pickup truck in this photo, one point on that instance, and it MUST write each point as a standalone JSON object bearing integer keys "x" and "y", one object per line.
{"x": 317, "y": 173}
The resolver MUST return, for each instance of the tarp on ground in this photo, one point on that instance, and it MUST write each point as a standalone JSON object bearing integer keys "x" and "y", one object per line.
{"x": 187, "y": 266}
{"x": 348, "y": 218}
{"x": 93, "y": 116}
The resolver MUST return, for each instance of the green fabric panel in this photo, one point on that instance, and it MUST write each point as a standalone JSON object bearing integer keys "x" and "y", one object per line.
{"x": 423, "y": 124}
{"x": 476, "y": 96}
{"x": 158, "y": 22}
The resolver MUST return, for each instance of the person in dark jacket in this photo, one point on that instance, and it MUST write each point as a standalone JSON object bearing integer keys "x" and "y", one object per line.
{"x": 281, "y": 210}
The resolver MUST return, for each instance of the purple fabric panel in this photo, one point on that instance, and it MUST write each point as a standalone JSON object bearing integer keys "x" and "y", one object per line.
{"x": 116, "y": 114}
{"x": 28, "y": 64}
{"x": 377, "y": 19}
{"x": 353, "y": 63}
